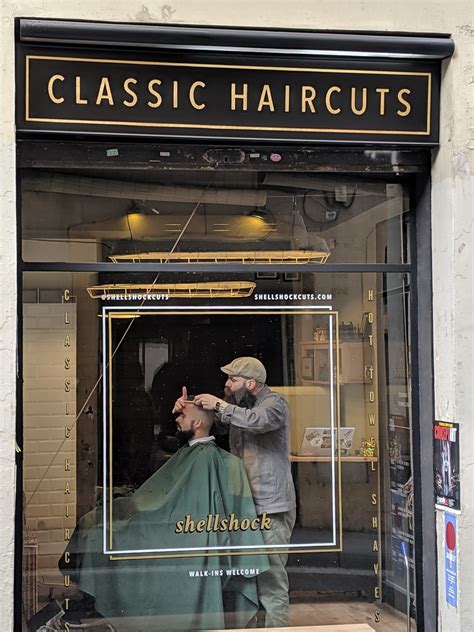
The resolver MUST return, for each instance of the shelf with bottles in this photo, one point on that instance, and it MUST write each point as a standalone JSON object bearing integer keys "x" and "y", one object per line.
{"x": 354, "y": 356}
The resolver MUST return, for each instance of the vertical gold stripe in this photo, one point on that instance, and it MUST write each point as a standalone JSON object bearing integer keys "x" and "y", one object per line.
{"x": 27, "y": 87}
{"x": 428, "y": 115}
{"x": 338, "y": 420}
{"x": 109, "y": 360}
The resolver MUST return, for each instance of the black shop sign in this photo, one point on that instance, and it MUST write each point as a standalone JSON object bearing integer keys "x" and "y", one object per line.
{"x": 253, "y": 98}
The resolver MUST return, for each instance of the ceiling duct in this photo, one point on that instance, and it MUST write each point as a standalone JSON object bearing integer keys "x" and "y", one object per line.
{"x": 141, "y": 227}
{"x": 102, "y": 187}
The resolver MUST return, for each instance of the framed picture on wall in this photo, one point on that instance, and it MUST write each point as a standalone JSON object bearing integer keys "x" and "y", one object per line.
{"x": 307, "y": 368}
{"x": 266, "y": 275}
{"x": 291, "y": 276}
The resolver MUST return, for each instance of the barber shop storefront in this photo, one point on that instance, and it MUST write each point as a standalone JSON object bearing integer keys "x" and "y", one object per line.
{"x": 188, "y": 197}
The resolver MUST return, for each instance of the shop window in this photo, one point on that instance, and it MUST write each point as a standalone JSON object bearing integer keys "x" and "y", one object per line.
{"x": 117, "y": 532}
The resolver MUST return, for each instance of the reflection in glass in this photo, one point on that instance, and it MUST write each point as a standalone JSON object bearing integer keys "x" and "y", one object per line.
{"x": 190, "y": 216}
{"x": 336, "y": 347}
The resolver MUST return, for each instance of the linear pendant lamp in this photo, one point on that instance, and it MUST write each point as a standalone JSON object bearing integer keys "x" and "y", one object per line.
{"x": 230, "y": 256}
{"x": 218, "y": 289}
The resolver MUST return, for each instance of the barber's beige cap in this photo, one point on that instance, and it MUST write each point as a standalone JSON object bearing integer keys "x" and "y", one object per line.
{"x": 246, "y": 367}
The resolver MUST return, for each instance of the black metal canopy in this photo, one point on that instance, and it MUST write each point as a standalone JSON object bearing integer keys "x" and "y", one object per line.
{"x": 244, "y": 40}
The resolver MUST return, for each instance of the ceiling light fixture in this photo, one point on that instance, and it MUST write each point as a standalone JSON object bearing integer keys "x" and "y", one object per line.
{"x": 140, "y": 291}
{"x": 230, "y": 256}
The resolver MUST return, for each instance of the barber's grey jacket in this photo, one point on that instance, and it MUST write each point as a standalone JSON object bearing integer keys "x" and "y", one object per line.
{"x": 260, "y": 437}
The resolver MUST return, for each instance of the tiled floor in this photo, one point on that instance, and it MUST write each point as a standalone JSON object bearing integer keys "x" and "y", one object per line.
{"x": 331, "y": 613}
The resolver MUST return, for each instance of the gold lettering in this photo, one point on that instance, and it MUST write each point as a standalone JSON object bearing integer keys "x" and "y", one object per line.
{"x": 363, "y": 107}
{"x": 233, "y": 523}
{"x": 67, "y": 363}
{"x": 375, "y": 547}
{"x": 66, "y": 318}
{"x": 194, "y": 103}
{"x": 287, "y": 97}
{"x": 67, "y": 627}
{"x": 67, "y": 534}
{"x": 377, "y": 616}
{"x": 67, "y": 341}
{"x": 307, "y": 99}
{"x": 79, "y": 101}
{"x": 128, "y": 90}
{"x": 67, "y": 557}
{"x": 370, "y": 317}
{"x": 66, "y": 295}
{"x": 51, "y": 94}
{"x": 382, "y": 92}
{"x": 375, "y": 522}
{"x": 67, "y": 385}
{"x": 266, "y": 99}
{"x": 67, "y": 511}
{"x": 376, "y": 568}
{"x": 67, "y": 408}
{"x": 190, "y": 525}
{"x": 200, "y": 525}
{"x": 67, "y": 580}
{"x": 374, "y": 499}
{"x": 266, "y": 522}
{"x": 67, "y": 465}
{"x": 404, "y": 102}
{"x": 329, "y": 106}
{"x": 67, "y": 432}
{"x": 105, "y": 93}
{"x": 175, "y": 95}
{"x": 67, "y": 489}
{"x": 66, "y": 603}
{"x": 371, "y": 419}
{"x": 369, "y": 372}
{"x": 370, "y": 296}
{"x": 371, "y": 340}
{"x": 153, "y": 92}
{"x": 234, "y": 95}
{"x": 372, "y": 466}
{"x": 376, "y": 592}
{"x": 371, "y": 397}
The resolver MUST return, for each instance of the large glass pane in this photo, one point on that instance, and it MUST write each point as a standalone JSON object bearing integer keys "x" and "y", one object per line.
{"x": 124, "y": 529}
{"x": 250, "y": 217}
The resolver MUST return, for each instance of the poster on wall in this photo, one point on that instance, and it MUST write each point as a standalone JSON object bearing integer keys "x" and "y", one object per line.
{"x": 446, "y": 465}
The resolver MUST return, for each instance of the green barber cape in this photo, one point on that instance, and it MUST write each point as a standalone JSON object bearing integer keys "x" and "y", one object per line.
{"x": 199, "y": 499}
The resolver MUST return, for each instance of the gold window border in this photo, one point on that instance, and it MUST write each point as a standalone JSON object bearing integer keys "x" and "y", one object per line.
{"x": 110, "y": 316}
{"x": 28, "y": 118}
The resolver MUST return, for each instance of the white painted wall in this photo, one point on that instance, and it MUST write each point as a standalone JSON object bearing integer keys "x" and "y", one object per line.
{"x": 452, "y": 216}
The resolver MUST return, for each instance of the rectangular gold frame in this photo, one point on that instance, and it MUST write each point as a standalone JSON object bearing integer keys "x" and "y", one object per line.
{"x": 425, "y": 132}
{"x": 110, "y": 316}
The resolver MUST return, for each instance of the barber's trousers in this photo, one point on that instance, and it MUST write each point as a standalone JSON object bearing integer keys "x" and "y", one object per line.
{"x": 272, "y": 586}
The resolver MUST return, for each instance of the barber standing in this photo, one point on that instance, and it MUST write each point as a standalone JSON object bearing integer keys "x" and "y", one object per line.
{"x": 258, "y": 421}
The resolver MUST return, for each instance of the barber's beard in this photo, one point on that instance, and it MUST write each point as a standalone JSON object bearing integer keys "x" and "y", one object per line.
{"x": 241, "y": 397}
{"x": 184, "y": 436}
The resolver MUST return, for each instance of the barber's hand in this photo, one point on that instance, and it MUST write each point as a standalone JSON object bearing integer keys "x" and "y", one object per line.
{"x": 180, "y": 402}
{"x": 207, "y": 401}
